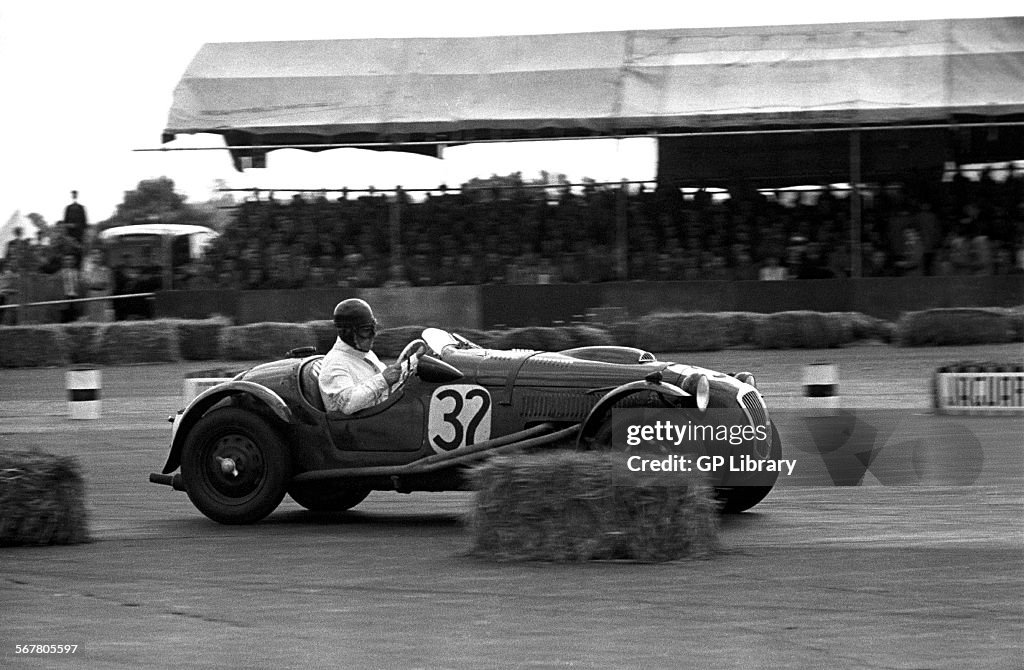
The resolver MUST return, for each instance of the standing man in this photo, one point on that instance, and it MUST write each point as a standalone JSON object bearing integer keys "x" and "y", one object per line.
{"x": 76, "y": 220}
{"x": 352, "y": 377}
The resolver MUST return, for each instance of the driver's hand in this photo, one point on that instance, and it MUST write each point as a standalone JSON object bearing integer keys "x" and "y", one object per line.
{"x": 392, "y": 373}
{"x": 398, "y": 372}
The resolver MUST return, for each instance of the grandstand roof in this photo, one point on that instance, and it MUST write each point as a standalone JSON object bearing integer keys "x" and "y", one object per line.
{"x": 638, "y": 82}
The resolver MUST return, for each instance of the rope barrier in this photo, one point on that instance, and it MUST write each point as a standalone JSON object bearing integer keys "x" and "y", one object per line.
{"x": 75, "y": 300}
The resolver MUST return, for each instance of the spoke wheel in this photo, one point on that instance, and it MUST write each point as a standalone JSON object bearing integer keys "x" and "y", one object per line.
{"x": 234, "y": 466}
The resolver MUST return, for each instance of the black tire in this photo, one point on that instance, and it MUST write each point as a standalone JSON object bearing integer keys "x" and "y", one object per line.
{"x": 333, "y": 498}
{"x": 259, "y": 466}
{"x": 741, "y": 498}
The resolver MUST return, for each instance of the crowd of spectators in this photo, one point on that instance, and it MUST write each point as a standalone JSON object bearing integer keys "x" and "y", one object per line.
{"x": 527, "y": 235}
{"x": 83, "y": 268}
{"x": 520, "y": 235}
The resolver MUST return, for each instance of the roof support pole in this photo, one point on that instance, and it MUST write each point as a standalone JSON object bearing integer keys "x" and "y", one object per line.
{"x": 855, "y": 204}
{"x": 395, "y": 227}
{"x": 622, "y": 233}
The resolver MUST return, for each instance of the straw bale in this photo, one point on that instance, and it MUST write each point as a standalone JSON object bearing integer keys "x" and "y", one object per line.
{"x": 139, "y": 342}
{"x": 957, "y": 326}
{"x": 199, "y": 338}
{"x": 42, "y": 499}
{"x": 83, "y": 342}
{"x": 264, "y": 340}
{"x": 30, "y": 346}
{"x": 568, "y": 506}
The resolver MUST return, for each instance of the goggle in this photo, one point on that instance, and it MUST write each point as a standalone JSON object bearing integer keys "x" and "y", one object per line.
{"x": 367, "y": 331}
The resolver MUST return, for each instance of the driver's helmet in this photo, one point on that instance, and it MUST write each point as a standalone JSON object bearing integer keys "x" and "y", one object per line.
{"x": 353, "y": 314}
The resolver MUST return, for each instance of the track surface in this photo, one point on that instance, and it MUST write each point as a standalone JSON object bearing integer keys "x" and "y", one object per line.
{"x": 922, "y": 575}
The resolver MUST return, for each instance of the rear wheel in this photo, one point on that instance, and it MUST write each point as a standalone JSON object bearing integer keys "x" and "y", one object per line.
{"x": 333, "y": 498}
{"x": 234, "y": 466}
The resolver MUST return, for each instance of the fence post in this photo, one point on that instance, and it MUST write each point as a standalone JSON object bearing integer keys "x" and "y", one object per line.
{"x": 855, "y": 205}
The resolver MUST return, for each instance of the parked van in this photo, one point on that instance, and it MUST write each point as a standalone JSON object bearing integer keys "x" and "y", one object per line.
{"x": 171, "y": 247}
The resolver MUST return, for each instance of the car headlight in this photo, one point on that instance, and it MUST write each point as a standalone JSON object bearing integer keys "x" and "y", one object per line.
{"x": 746, "y": 378}
{"x": 699, "y": 387}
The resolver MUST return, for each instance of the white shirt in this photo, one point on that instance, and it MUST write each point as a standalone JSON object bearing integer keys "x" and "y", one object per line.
{"x": 351, "y": 380}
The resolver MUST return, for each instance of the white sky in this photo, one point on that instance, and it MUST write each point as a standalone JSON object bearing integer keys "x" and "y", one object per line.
{"x": 85, "y": 82}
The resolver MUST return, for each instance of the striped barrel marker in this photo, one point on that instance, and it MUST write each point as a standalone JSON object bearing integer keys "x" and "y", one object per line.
{"x": 821, "y": 385}
{"x": 84, "y": 385}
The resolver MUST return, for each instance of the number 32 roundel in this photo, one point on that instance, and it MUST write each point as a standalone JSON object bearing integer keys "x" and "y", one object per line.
{"x": 460, "y": 415}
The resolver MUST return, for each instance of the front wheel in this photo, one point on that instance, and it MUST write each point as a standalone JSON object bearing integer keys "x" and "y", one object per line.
{"x": 234, "y": 466}
{"x": 741, "y": 498}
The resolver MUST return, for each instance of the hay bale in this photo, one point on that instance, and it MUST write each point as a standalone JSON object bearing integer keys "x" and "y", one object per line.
{"x": 42, "y": 499}
{"x": 481, "y": 338}
{"x": 956, "y": 326}
{"x": 139, "y": 342}
{"x": 256, "y": 341}
{"x": 538, "y": 338}
{"x": 33, "y": 346}
{"x": 865, "y": 327}
{"x": 625, "y": 333}
{"x": 687, "y": 331}
{"x": 803, "y": 330}
{"x": 582, "y": 335}
{"x": 83, "y": 340}
{"x": 569, "y": 506}
{"x": 325, "y": 333}
{"x": 391, "y": 341}
{"x": 740, "y": 327}
{"x": 198, "y": 339}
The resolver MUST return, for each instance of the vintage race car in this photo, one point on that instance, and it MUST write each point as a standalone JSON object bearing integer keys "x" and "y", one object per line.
{"x": 243, "y": 444}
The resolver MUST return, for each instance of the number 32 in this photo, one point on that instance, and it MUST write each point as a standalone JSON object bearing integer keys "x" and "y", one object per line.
{"x": 459, "y": 415}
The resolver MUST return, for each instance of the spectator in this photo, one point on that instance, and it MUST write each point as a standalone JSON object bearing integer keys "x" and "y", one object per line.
{"x": 396, "y": 277}
{"x": 877, "y": 264}
{"x": 61, "y": 245}
{"x": 8, "y": 294}
{"x": 71, "y": 284}
{"x": 129, "y": 279}
{"x": 99, "y": 282}
{"x": 77, "y": 222}
{"x": 472, "y": 239}
{"x": 772, "y": 271}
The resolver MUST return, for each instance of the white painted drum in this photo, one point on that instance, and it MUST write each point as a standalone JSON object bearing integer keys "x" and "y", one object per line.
{"x": 84, "y": 386}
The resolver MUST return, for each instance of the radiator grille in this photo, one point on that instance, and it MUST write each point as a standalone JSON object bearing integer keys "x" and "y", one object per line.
{"x": 757, "y": 414}
{"x": 755, "y": 409}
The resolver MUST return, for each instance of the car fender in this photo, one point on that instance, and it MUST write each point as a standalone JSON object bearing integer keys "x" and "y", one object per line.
{"x": 596, "y": 416}
{"x": 210, "y": 397}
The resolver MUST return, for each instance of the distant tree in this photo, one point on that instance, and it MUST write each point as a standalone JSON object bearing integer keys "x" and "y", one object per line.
{"x": 499, "y": 186}
{"x": 155, "y": 200}
{"x": 40, "y": 223}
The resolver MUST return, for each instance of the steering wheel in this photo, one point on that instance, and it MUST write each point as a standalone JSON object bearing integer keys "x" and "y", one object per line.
{"x": 417, "y": 346}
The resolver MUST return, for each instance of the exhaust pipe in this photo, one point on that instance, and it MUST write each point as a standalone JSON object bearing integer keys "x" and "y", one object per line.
{"x": 174, "y": 481}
